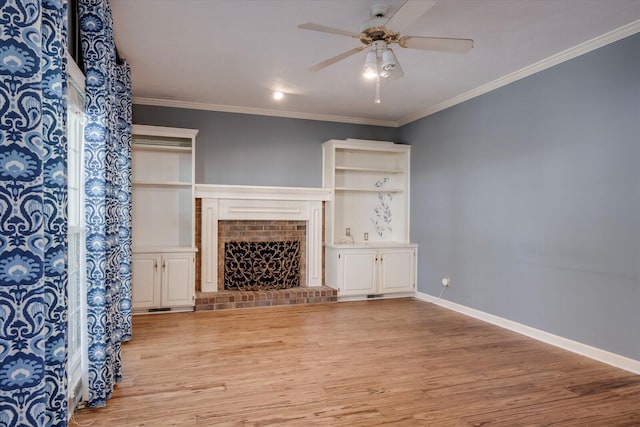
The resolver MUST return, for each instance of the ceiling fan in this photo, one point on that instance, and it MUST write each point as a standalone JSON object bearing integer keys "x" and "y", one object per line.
{"x": 380, "y": 31}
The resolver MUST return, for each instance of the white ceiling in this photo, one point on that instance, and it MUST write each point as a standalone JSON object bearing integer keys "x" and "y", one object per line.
{"x": 231, "y": 54}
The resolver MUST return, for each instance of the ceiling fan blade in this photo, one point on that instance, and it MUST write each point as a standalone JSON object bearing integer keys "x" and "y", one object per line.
{"x": 408, "y": 14}
{"x": 325, "y": 29}
{"x": 436, "y": 43}
{"x": 320, "y": 65}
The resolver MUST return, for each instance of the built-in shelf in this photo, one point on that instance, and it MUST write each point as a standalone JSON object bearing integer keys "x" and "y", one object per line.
{"x": 158, "y": 147}
{"x": 162, "y": 184}
{"x": 374, "y": 170}
{"x": 176, "y": 249}
{"x": 370, "y": 190}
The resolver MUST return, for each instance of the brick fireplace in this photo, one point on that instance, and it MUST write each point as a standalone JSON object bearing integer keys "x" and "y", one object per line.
{"x": 269, "y": 214}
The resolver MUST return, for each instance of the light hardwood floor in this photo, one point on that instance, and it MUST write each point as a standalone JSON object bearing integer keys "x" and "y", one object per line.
{"x": 398, "y": 362}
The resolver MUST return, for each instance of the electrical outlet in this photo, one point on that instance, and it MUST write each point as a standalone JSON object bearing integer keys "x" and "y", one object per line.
{"x": 446, "y": 281}
{"x": 366, "y": 236}
{"x": 347, "y": 232}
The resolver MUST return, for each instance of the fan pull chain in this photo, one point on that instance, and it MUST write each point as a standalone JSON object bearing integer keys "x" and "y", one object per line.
{"x": 377, "y": 100}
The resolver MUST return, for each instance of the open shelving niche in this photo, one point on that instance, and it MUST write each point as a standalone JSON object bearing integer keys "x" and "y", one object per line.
{"x": 371, "y": 184}
{"x": 162, "y": 182}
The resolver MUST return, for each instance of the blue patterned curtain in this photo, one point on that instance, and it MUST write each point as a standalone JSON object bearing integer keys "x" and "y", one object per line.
{"x": 107, "y": 199}
{"x": 123, "y": 150}
{"x": 33, "y": 217}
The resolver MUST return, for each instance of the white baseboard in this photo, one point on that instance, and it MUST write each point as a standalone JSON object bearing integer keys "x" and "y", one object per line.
{"x": 603, "y": 356}
{"x": 364, "y": 298}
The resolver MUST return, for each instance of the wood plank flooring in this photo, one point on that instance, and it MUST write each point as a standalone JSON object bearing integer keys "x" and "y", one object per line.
{"x": 398, "y": 362}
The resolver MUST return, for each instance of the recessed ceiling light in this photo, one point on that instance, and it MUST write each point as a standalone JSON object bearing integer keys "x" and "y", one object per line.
{"x": 277, "y": 95}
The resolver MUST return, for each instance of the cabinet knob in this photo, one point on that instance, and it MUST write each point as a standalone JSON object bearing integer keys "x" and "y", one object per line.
{"x": 155, "y": 265}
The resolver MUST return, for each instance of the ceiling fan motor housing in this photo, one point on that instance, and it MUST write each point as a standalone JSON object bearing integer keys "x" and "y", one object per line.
{"x": 373, "y": 29}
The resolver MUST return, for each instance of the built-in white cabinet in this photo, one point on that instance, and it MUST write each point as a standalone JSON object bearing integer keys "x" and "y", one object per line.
{"x": 368, "y": 251}
{"x": 163, "y": 218}
{"x": 163, "y": 280}
{"x": 365, "y": 271}
{"x": 396, "y": 270}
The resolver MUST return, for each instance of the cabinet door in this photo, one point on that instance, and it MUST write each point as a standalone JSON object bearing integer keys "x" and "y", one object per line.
{"x": 397, "y": 270}
{"x": 145, "y": 281}
{"x": 358, "y": 271}
{"x": 177, "y": 279}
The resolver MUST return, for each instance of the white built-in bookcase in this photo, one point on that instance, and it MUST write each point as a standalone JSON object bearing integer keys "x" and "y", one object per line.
{"x": 163, "y": 217}
{"x": 368, "y": 252}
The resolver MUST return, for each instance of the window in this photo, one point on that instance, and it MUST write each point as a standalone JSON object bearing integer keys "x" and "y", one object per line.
{"x": 76, "y": 288}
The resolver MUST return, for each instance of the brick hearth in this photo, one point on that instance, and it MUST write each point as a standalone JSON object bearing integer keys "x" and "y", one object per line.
{"x": 246, "y": 299}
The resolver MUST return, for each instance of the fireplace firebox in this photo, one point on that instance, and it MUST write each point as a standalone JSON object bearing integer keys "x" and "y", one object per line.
{"x": 261, "y": 255}
{"x": 261, "y": 266}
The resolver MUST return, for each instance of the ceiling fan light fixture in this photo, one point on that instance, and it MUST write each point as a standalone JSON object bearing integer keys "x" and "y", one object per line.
{"x": 389, "y": 61}
{"x": 369, "y": 74}
{"x": 370, "y": 69}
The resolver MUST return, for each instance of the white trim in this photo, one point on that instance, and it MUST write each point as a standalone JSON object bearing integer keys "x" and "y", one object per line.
{"x": 209, "y": 242}
{"x": 155, "y": 249}
{"x": 314, "y": 241}
{"x": 581, "y": 49}
{"x": 347, "y": 298}
{"x": 76, "y": 142}
{"x": 77, "y": 76}
{"x": 250, "y": 192}
{"x": 262, "y": 112}
{"x": 263, "y": 210}
{"x": 145, "y": 130}
{"x": 594, "y": 353}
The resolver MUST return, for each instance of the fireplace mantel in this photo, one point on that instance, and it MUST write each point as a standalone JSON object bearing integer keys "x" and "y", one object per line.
{"x": 240, "y": 202}
{"x": 250, "y": 192}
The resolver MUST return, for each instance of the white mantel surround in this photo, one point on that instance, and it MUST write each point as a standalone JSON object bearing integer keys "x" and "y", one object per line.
{"x": 240, "y": 202}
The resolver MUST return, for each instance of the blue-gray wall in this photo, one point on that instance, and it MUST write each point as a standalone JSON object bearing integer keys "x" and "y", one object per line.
{"x": 529, "y": 198}
{"x": 243, "y": 149}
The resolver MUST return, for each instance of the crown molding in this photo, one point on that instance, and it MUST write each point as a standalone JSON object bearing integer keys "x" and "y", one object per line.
{"x": 573, "y": 52}
{"x": 262, "y": 112}
{"x": 581, "y": 49}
